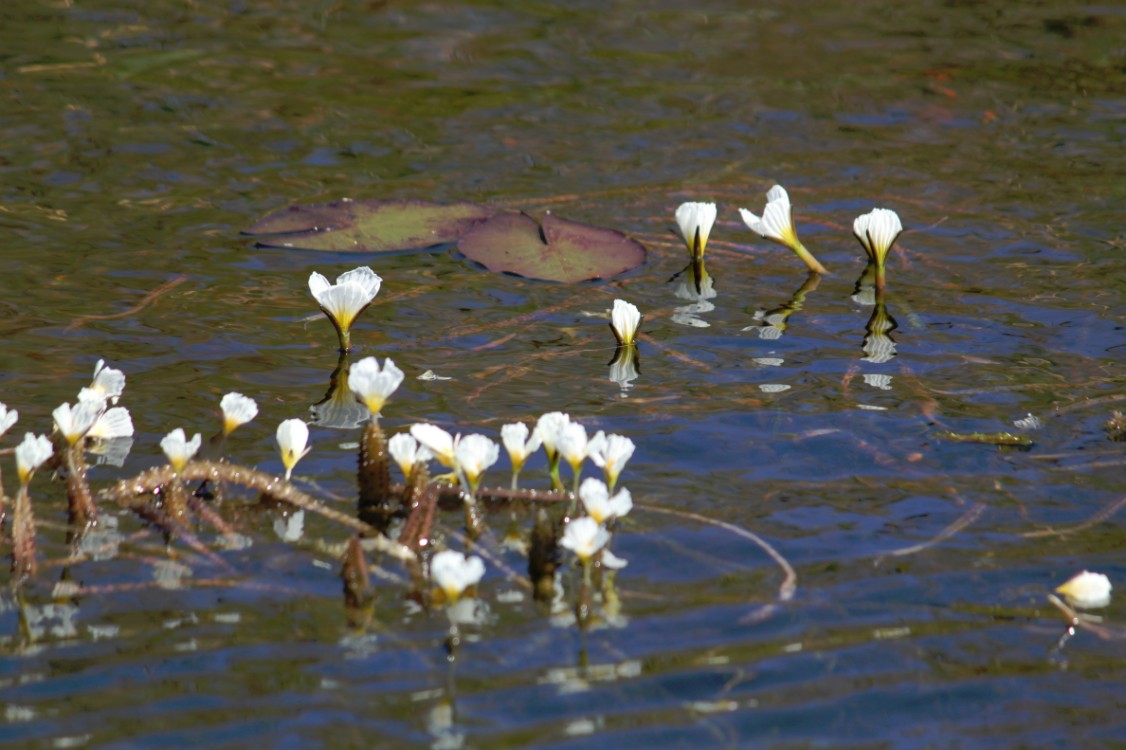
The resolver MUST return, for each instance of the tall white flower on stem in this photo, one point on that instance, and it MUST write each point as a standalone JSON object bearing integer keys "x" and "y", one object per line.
{"x": 293, "y": 443}
{"x": 374, "y": 385}
{"x": 237, "y": 411}
{"x": 343, "y": 301}
{"x": 600, "y": 505}
{"x": 454, "y": 572}
{"x": 474, "y": 454}
{"x": 407, "y": 453}
{"x": 572, "y": 445}
{"x": 695, "y": 222}
{"x": 179, "y": 449}
{"x": 877, "y": 231}
{"x": 625, "y": 319}
{"x": 777, "y": 225}
{"x": 8, "y": 418}
{"x": 549, "y": 428}
{"x": 30, "y": 455}
{"x": 520, "y": 445}
{"x": 610, "y": 453}
{"x": 74, "y": 422}
{"x": 107, "y": 385}
{"x": 437, "y": 441}
{"x": 1086, "y": 590}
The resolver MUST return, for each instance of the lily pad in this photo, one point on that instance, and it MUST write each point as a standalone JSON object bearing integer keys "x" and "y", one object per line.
{"x": 368, "y": 226}
{"x": 552, "y": 250}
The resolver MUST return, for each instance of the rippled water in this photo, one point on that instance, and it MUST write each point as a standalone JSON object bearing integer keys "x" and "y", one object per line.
{"x": 139, "y": 139}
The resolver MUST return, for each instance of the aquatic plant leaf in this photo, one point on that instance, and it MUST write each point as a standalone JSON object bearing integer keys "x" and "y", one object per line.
{"x": 367, "y": 226}
{"x": 552, "y": 250}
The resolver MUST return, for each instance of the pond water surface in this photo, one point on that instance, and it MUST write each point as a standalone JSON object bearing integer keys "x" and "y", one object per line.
{"x": 137, "y": 139}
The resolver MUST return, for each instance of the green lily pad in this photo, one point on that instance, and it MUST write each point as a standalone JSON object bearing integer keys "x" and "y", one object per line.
{"x": 552, "y": 250}
{"x": 367, "y": 226}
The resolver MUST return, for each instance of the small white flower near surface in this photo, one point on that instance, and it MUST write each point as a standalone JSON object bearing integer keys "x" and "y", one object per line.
{"x": 695, "y": 221}
{"x": 30, "y": 455}
{"x": 8, "y": 418}
{"x": 1086, "y": 590}
{"x": 453, "y": 573}
{"x": 474, "y": 454}
{"x": 179, "y": 449}
{"x": 293, "y": 443}
{"x": 237, "y": 411}
{"x": 610, "y": 453}
{"x": 343, "y": 301}
{"x": 777, "y": 225}
{"x": 75, "y": 421}
{"x": 108, "y": 383}
{"x": 585, "y": 537}
{"x": 877, "y": 231}
{"x": 600, "y": 505}
{"x": 549, "y": 428}
{"x": 625, "y": 319}
{"x": 373, "y": 384}
{"x": 112, "y": 424}
{"x": 407, "y": 452}
{"x": 519, "y": 444}
{"x": 437, "y": 441}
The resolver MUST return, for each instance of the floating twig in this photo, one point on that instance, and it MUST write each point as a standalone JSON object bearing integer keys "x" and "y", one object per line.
{"x": 963, "y": 521}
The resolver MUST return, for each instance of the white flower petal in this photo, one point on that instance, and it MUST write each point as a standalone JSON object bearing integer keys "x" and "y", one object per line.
{"x": 178, "y": 448}
{"x": 407, "y": 452}
{"x": 30, "y": 455}
{"x": 108, "y": 381}
{"x": 7, "y": 418}
{"x": 694, "y": 219}
{"x": 877, "y": 231}
{"x": 549, "y": 428}
{"x": 453, "y": 572}
{"x": 437, "y": 441}
{"x": 237, "y": 410}
{"x": 584, "y": 536}
{"x": 474, "y": 454}
{"x": 74, "y": 422}
{"x": 293, "y": 440}
{"x": 372, "y": 384}
{"x": 1086, "y": 590}
{"x": 114, "y": 423}
{"x": 624, "y": 320}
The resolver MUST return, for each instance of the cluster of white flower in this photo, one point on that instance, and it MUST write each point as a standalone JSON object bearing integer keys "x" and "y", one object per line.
{"x": 876, "y": 230}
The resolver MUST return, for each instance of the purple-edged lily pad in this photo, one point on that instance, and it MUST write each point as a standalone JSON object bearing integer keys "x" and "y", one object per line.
{"x": 552, "y": 250}
{"x": 368, "y": 226}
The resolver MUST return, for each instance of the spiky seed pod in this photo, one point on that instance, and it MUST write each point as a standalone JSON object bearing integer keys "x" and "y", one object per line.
{"x": 374, "y": 477}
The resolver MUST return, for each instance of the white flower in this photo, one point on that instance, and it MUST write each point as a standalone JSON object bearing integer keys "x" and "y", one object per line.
{"x": 584, "y": 536}
{"x": 113, "y": 423}
{"x": 291, "y": 527}
{"x": 612, "y": 561}
{"x": 108, "y": 384}
{"x": 695, "y": 221}
{"x": 624, "y": 321}
{"x": 1086, "y": 590}
{"x": 179, "y": 449}
{"x": 598, "y": 503}
{"x": 474, "y": 454}
{"x": 518, "y": 444}
{"x": 74, "y": 422}
{"x": 437, "y": 441}
{"x": 453, "y": 572}
{"x": 407, "y": 452}
{"x": 877, "y": 231}
{"x": 343, "y": 301}
{"x": 572, "y": 444}
{"x": 372, "y": 385}
{"x": 237, "y": 411}
{"x": 625, "y": 367}
{"x": 549, "y": 428}
{"x": 30, "y": 455}
{"x": 293, "y": 439}
{"x": 7, "y": 418}
{"x": 776, "y": 223}
{"x": 610, "y": 453}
